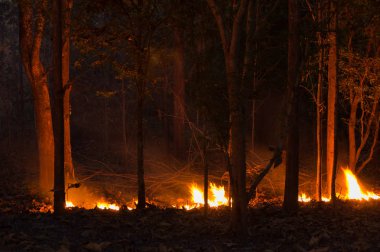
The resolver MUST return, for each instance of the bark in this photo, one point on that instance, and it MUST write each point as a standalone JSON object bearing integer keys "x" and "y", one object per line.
{"x": 351, "y": 133}
{"x": 319, "y": 105}
{"x": 66, "y": 25}
{"x": 141, "y": 68}
{"x": 254, "y": 69}
{"x": 292, "y": 165}
{"x": 32, "y": 26}
{"x": 233, "y": 47}
{"x": 205, "y": 181}
{"x": 331, "y": 109}
{"x": 140, "y": 142}
{"x": 124, "y": 120}
{"x": 58, "y": 123}
{"x": 179, "y": 93}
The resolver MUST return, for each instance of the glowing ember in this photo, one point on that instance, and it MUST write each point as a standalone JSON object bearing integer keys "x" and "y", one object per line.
{"x": 107, "y": 206}
{"x": 354, "y": 190}
{"x": 69, "y": 204}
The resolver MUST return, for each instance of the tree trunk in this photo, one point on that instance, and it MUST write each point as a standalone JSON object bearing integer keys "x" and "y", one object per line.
{"x": 140, "y": 143}
{"x": 237, "y": 154}
{"x": 351, "y": 134}
{"x": 319, "y": 106}
{"x": 179, "y": 93}
{"x": 234, "y": 51}
{"x": 31, "y": 34}
{"x": 124, "y": 120}
{"x": 205, "y": 181}
{"x": 292, "y": 169}
{"x": 331, "y": 109}
{"x": 45, "y": 139}
{"x": 66, "y": 25}
{"x": 58, "y": 123}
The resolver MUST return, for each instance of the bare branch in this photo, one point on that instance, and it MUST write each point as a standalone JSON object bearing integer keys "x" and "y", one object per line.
{"x": 221, "y": 27}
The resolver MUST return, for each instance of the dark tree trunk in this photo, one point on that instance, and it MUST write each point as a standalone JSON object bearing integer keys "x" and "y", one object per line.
{"x": 58, "y": 122}
{"x": 124, "y": 120}
{"x": 66, "y": 25}
{"x": 292, "y": 148}
{"x": 331, "y": 109}
{"x": 140, "y": 143}
{"x": 319, "y": 106}
{"x": 234, "y": 55}
{"x": 179, "y": 93}
{"x": 237, "y": 153}
{"x": 205, "y": 181}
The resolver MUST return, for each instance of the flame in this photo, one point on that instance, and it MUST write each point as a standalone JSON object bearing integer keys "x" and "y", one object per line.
{"x": 217, "y": 196}
{"x": 103, "y": 205}
{"x": 69, "y": 204}
{"x": 325, "y": 199}
{"x": 304, "y": 198}
{"x": 354, "y": 191}
{"x": 197, "y": 195}
{"x": 100, "y": 205}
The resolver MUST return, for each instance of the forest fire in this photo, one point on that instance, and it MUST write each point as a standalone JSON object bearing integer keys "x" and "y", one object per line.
{"x": 354, "y": 190}
{"x": 217, "y": 198}
{"x": 99, "y": 205}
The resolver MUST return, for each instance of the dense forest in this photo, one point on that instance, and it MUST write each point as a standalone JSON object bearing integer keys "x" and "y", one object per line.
{"x": 206, "y": 125}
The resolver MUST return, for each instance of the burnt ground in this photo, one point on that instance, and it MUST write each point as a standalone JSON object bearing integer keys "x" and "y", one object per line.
{"x": 347, "y": 226}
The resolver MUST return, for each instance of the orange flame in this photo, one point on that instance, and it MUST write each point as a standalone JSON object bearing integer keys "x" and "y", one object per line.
{"x": 217, "y": 196}
{"x": 354, "y": 191}
{"x": 104, "y": 205}
{"x": 69, "y": 204}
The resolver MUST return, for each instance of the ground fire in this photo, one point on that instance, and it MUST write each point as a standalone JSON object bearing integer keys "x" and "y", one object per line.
{"x": 218, "y": 196}
{"x": 353, "y": 190}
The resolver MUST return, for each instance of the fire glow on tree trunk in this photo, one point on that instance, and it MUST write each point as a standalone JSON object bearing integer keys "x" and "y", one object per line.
{"x": 69, "y": 168}
{"x": 331, "y": 104}
{"x": 32, "y": 26}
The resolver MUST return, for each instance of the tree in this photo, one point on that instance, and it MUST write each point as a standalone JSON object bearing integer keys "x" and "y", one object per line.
{"x": 66, "y": 27}
{"x": 58, "y": 116}
{"x": 358, "y": 67}
{"x": 32, "y": 27}
{"x": 319, "y": 100}
{"x": 292, "y": 148}
{"x": 179, "y": 92}
{"x": 331, "y": 150}
{"x": 233, "y": 44}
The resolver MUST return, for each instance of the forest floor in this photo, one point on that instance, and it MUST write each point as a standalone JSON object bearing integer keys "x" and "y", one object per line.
{"x": 317, "y": 227}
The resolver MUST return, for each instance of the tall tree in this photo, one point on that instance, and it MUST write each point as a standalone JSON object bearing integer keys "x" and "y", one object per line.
{"x": 331, "y": 150}
{"x": 292, "y": 142}
{"x": 232, "y": 35}
{"x": 358, "y": 68}
{"x": 319, "y": 101}
{"x": 66, "y": 26}
{"x": 58, "y": 116}
{"x": 179, "y": 91}
{"x": 32, "y": 27}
